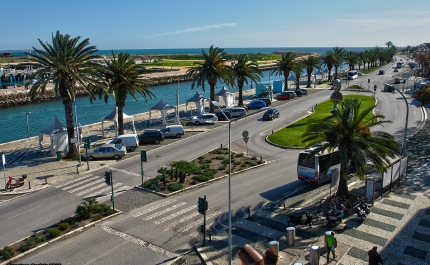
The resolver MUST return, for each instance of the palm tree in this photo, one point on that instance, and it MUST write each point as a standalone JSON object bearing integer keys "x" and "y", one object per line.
{"x": 245, "y": 69}
{"x": 328, "y": 60}
{"x": 338, "y": 55}
{"x": 389, "y": 44}
{"x": 212, "y": 69}
{"x": 310, "y": 64}
{"x": 67, "y": 63}
{"x": 285, "y": 65}
{"x": 351, "y": 58}
{"x": 297, "y": 71}
{"x": 348, "y": 130}
{"x": 122, "y": 77}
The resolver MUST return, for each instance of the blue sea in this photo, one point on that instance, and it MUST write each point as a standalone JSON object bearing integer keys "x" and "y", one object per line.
{"x": 13, "y": 122}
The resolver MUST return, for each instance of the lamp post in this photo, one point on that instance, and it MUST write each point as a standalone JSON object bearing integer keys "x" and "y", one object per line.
{"x": 77, "y": 128}
{"x": 28, "y": 128}
{"x": 177, "y": 103}
{"x": 216, "y": 104}
{"x": 406, "y": 123}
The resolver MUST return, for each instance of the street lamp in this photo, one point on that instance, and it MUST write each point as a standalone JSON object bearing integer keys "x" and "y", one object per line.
{"x": 28, "y": 128}
{"x": 406, "y": 123}
{"x": 216, "y": 104}
{"x": 77, "y": 128}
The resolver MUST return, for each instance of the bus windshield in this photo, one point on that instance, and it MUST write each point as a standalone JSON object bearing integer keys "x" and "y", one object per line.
{"x": 309, "y": 163}
{"x": 317, "y": 169}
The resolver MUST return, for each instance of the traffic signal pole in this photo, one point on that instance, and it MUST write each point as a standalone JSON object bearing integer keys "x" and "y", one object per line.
{"x": 202, "y": 208}
{"x": 111, "y": 186}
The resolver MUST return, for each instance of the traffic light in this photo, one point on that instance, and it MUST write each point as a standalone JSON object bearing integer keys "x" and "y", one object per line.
{"x": 143, "y": 156}
{"x": 202, "y": 206}
{"x": 87, "y": 142}
{"x": 107, "y": 177}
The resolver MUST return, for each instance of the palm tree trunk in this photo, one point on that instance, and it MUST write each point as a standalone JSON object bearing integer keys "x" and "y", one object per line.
{"x": 297, "y": 81}
{"x": 286, "y": 81}
{"x": 68, "y": 107}
{"x": 212, "y": 92}
{"x": 241, "y": 95}
{"x": 342, "y": 190}
{"x": 309, "y": 81}
{"x": 120, "y": 104}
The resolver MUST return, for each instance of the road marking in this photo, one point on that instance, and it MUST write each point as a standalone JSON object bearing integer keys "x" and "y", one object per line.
{"x": 200, "y": 220}
{"x": 138, "y": 241}
{"x": 86, "y": 185}
{"x": 153, "y": 208}
{"x": 183, "y": 219}
{"x": 162, "y": 220}
{"x": 115, "y": 192}
{"x": 78, "y": 183}
{"x": 25, "y": 212}
{"x": 100, "y": 192}
{"x": 102, "y": 185}
{"x": 72, "y": 181}
{"x": 125, "y": 172}
{"x": 173, "y": 207}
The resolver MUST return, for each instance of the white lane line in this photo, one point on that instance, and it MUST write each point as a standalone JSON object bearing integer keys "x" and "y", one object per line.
{"x": 72, "y": 181}
{"x": 86, "y": 185}
{"x": 162, "y": 220}
{"x": 138, "y": 241}
{"x": 25, "y": 212}
{"x": 101, "y": 192}
{"x": 79, "y": 183}
{"x": 102, "y": 185}
{"x": 153, "y": 208}
{"x": 199, "y": 221}
{"x": 125, "y": 172}
{"x": 173, "y": 207}
{"x": 115, "y": 192}
{"x": 183, "y": 219}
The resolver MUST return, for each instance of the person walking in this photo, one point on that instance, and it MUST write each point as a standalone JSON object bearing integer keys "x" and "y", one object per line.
{"x": 374, "y": 257}
{"x": 331, "y": 246}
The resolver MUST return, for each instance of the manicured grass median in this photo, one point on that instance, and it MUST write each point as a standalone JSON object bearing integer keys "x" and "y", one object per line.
{"x": 291, "y": 135}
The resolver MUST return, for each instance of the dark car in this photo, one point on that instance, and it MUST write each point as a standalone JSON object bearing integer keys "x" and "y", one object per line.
{"x": 389, "y": 88}
{"x": 270, "y": 114}
{"x": 221, "y": 116}
{"x": 300, "y": 92}
{"x": 151, "y": 136}
{"x": 267, "y": 101}
{"x": 381, "y": 72}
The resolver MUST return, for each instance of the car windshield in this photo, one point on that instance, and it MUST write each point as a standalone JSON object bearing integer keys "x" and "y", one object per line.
{"x": 118, "y": 147}
{"x": 270, "y": 111}
{"x": 98, "y": 148}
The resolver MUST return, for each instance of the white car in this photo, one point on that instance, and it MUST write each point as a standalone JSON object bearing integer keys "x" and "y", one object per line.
{"x": 204, "y": 118}
{"x": 105, "y": 151}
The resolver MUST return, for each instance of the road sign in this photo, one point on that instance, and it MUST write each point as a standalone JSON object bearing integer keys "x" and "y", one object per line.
{"x": 246, "y": 139}
{"x": 368, "y": 80}
{"x": 245, "y": 134}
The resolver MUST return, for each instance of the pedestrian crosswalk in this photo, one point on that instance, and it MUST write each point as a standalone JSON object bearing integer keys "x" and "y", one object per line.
{"x": 92, "y": 186}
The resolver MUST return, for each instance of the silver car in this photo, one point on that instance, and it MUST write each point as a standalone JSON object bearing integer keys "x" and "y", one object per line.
{"x": 106, "y": 151}
{"x": 204, "y": 118}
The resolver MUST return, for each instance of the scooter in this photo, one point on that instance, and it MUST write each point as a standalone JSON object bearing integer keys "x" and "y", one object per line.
{"x": 298, "y": 219}
{"x": 333, "y": 216}
{"x": 362, "y": 210}
{"x": 14, "y": 183}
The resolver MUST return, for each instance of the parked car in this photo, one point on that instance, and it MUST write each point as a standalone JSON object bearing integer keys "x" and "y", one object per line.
{"x": 151, "y": 136}
{"x": 270, "y": 114}
{"x": 286, "y": 95}
{"x": 381, "y": 72}
{"x": 396, "y": 70}
{"x": 238, "y": 112}
{"x": 204, "y": 118}
{"x": 398, "y": 80}
{"x": 105, "y": 151}
{"x": 221, "y": 116}
{"x": 300, "y": 92}
{"x": 267, "y": 101}
{"x": 130, "y": 141}
{"x": 389, "y": 88}
{"x": 173, "y": 131}
{"x": 256, "y": 104}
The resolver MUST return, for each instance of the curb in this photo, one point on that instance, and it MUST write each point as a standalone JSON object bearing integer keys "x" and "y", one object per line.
{"x": 56, "y": 239}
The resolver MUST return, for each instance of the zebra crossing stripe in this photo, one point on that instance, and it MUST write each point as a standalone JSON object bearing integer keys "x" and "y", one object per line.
{"x": 194, "y": 234}
{"x": 162, "y": 220}
{"x": 102, "y": 190}
{"x": 199, "y": 221}
{"x": 91, "y": 189}
{"x": 126, "y": 172}
{"x": 78, "y": 183}
{"x": 137, "y": 241}
{"x": 73, "y": 181}
{"x": 115, "y": 192}
{"x": 173, "y": 207}
{"x": 86, "y": 185}
{"x": 153, "y": 208}
{"x": 183, "y": 219}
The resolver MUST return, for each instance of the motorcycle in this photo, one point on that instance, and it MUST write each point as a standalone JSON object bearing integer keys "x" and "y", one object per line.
{"x": 361, "y": 210}
{"x": 300, "y": 219}
{"x": 333, "y": 216}
{"x": 14, "y": 183}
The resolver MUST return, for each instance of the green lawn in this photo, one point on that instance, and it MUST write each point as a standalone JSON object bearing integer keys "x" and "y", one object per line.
{"x": 291, "y": 135}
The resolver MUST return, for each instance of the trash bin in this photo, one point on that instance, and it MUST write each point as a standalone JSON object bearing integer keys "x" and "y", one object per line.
{"x": 274, "y": 247}
{"x": 291, "y": 235}
{"x": 314, "y": 257}
{"x": 58, "y": 155}
{"x": 325, "y": 238}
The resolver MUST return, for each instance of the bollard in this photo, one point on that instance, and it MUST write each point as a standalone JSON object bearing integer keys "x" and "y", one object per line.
{"x": 291, "y": 234}
{"x": 314, "y": 256}
{"x": 261, "y": 158}
{"x": 221, "y": 146}
{"x": 210, "y": 236}
{"x": 272, "y": 131}
{"x": 274, "y": 246}
{"x": 249, "y": 212}
{"x": 284, "y": 206}
{"x": 77, "y": 169}
{"x": 46, "y": 181}
{"x": 29, "y": 186}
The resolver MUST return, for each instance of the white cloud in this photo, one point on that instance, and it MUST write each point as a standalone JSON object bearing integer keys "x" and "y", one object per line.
{"x": 207, "y": 27}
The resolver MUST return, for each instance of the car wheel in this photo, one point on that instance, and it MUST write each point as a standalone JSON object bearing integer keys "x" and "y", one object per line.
{"x": 196, "y": 123}
{"x": 178, "y": 135}
{"x": 91, "y": 158}
{"x": 157, "y": 141}
{"x": 132, "y": 149}
{"x": 241, "y": 115}
{"x": 116, "y": 157}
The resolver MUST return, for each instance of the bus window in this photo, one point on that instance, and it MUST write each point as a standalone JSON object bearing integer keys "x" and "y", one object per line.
{"x": 309, "y": 163}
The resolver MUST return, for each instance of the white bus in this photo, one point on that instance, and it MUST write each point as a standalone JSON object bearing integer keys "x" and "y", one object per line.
{"x": 352, "y": 75}
{"x": 317, "y": 169}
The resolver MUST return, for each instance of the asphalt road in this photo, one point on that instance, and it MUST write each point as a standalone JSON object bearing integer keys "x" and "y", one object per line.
{"x": 174, "y": 233}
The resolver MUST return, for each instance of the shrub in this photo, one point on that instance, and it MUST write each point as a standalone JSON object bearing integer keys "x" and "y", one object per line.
{"x": 98, "y": 217}
{"x": 54, "y": 232}
{"x": 200, "y": 157}
{"x": 208, "y": 161}
{"x": 63, "y": 226}
{"x": 220, "y": 157}
{"x": 176, "y": 187}
{"x": 7, "y": 252}
{"x": 193, "y": 182}
{"x": 83, "y": 211}
{"x": 38, "y": 238}
{"x": 243, "y": 165}
{"x": 223, "y": 167}
{"x": 236, "y": 163}
{"x": 253, "y": 163}
{"x": 259, "y": 162}
{"x": 423, "y": 96}
{"x": 201, "y": 178}
{"x": 254, "y": 158}
{"x": 147, "y": 183}
{"x": 217, "y": 151}
{"x": 225, "y": 161}
{"x": 240, "y": 155}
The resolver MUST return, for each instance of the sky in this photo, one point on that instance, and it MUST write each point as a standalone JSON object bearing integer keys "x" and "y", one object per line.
{"x": 169, "y": 24}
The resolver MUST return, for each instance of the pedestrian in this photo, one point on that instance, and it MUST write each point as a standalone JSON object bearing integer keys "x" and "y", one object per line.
{"x": 374, "y": 257}
{"x": 331, "y": 245}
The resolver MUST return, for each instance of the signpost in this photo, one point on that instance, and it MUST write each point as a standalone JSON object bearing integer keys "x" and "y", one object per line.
{"x": 245, "y": 139}
{"x": 202, "y": 208}
{"x": 368, "y": 85}
{"x": 3, "y": 159}
{"x": 142, "y": 159}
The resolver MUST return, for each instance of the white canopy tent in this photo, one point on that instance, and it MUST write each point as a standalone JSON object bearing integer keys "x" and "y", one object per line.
{"x": 57, "y": 132}
{"x": 113, "y": 116}
{"x": 198, "y": 100}
{"x": 163, "y": 107}
{"x": 227, "y": 97}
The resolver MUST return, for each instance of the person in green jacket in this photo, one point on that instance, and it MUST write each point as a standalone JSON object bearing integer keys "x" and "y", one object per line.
{"x": 331, "y": 245}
